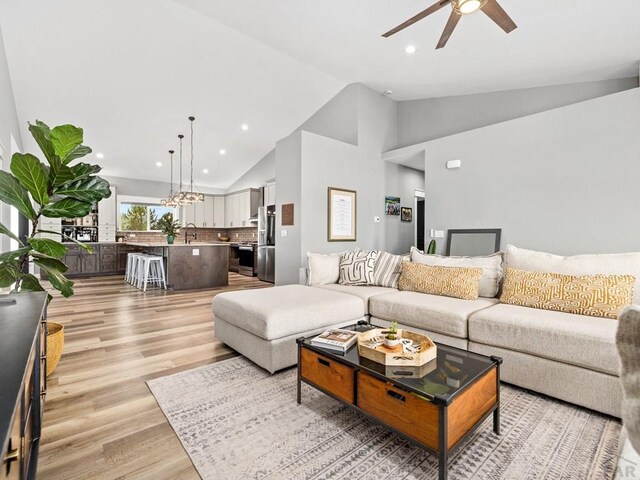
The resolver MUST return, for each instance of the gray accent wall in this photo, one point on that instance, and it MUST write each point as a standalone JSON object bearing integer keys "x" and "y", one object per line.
{"x": 563, "y": 181}
{"x": 423, "y": 120}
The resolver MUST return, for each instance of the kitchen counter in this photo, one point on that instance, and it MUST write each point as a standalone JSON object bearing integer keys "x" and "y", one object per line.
{"x": 190, "y": 266}
{"x": 170, "y": 245}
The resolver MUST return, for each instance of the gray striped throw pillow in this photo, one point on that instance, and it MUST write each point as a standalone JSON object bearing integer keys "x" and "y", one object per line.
{"x": 387, "y": 269}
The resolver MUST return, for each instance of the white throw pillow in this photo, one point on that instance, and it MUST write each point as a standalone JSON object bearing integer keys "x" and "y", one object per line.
{"x": 323, "y": 269}
{"x": 596, "y": 264}
{"x": 387, "y": 270}
{"x": 491, "y": 268}
{"x": 356, "y": 268}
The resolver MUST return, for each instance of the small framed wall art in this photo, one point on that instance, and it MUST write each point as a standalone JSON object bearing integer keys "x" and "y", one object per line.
{"x": 391, "y": 205}
{"x": 341, "y": 215}
{"x": 406, "y": 214}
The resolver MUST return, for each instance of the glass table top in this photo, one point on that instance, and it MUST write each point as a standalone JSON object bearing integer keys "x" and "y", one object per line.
{"x": 447, "y": 374}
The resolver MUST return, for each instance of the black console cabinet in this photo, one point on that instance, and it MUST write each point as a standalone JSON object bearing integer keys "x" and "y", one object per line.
{"x": 23, "y": 361}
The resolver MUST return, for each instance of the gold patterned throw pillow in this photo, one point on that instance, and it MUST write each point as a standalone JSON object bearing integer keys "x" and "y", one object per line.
{"x": 457, "y": 282}
{"x": 594, "y": 295}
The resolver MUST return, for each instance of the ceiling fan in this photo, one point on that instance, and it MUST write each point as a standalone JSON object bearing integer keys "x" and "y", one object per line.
{"x": 491, "y": 9}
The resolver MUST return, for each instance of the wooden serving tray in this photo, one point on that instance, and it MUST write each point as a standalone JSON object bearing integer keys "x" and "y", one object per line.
{"x": 395, "y": 356}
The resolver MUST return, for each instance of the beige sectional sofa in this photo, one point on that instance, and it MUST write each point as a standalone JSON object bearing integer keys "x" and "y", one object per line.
{"x": 567, "y": 356}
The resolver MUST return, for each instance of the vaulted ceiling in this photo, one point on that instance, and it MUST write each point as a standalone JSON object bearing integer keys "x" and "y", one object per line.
{"x": 131, "y": 72}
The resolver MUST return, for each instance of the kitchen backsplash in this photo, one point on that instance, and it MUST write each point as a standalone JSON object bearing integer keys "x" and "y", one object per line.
{"x": 204, "y": 235}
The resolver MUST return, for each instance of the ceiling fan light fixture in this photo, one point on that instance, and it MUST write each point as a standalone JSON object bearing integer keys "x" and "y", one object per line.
{"x": 465, "y": 7}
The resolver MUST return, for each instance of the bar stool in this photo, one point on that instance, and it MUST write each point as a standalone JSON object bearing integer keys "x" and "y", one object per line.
{"x": 151, "y": 269}
{"x": 130, "y": 269}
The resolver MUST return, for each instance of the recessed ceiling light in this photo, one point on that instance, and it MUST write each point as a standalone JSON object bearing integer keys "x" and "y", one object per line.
{"x": 222, "y": 151}
{"x": 245, "y": 127}
{"x": 100, "y": 156}
{"x": 388, "y": 92}
{"x": 410, "y": 49}
{"x": 204, "y": 170}
{"x": 158, "y": 164}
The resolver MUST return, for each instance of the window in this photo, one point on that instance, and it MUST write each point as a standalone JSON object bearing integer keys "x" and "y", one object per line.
{"x": 140, "y": 216}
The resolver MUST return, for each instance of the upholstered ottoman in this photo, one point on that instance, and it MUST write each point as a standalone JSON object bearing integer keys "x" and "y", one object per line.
{"x": 263, "y": 324}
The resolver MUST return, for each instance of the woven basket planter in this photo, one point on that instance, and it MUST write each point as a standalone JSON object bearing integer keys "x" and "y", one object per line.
{"x": 55, "y": 342}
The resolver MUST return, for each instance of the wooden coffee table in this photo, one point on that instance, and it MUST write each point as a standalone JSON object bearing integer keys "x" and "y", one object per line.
{"x": 435, "y": 406}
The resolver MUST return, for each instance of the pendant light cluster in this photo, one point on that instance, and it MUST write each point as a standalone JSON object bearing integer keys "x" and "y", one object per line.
{"x": 183, "y": 197}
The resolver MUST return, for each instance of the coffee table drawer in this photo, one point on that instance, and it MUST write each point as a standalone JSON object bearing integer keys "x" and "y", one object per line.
{"x": 412, "y": 415}
{"x": 332, "y": 376}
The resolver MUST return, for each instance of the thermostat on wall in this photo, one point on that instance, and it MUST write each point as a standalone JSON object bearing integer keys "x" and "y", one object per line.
{"x": 451, "y": 164}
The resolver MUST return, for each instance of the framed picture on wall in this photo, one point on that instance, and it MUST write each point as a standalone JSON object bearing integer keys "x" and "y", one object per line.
{"x": 341, "y": 215}
{"x": 406, "y": 214}
{"x": 391, "y": 205}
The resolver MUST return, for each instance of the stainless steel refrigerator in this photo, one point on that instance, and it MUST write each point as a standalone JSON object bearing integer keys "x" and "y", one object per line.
{"x": 267, "y": 243}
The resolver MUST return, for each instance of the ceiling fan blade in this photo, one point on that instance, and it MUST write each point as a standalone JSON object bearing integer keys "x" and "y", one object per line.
{"x": 433, "y": 8}
{"x": 454, "y": 18}
{"x": 495, "y": 12}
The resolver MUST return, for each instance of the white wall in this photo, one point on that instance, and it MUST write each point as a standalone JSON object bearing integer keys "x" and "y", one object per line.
{"x": 258, "y": 175}
{"x": 9, "y": 126}
{"x": 564, "y": 181}
{"x": 147, "y": 188}
{"x": 427, "y": 119}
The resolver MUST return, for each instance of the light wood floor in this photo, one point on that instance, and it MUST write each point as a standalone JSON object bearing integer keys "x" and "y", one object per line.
{"x": 101, "y": 421}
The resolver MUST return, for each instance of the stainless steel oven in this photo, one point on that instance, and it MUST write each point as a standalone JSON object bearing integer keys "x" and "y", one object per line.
{"x": 246, "y": 260}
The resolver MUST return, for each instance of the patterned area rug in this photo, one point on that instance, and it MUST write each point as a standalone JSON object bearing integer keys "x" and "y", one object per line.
{"x": 238, "y": 422}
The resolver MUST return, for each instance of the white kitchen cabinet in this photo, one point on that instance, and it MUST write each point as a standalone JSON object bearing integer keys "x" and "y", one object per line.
{"x": 200, "y": 214}
{"x": 52, "y": 225}
{"x": 188, "y": 214}
{"x": 241, "y": 206}
{"x": 270, "y": 194}
{"x": 107, "y": 218}
{"x": 219, "y": 212}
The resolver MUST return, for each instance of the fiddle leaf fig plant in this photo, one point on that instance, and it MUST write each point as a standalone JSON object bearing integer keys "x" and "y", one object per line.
{"x": 55, "y": 189}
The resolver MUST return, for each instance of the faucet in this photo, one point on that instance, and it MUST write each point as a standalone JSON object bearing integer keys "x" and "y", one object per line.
{"x": 194, "y": 235}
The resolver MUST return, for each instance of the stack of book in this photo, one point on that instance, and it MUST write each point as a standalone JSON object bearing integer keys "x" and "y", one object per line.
{"x": 336, "y": 339}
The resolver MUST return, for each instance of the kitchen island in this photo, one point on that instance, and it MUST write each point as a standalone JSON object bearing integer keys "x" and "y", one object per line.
{"x": 191, "y": 266}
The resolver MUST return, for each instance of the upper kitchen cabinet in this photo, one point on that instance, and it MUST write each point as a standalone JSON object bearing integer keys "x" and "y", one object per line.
{"x": 270, "y": 193}
{"x": 240, "y": 207}
{"x": 207, "y": 214}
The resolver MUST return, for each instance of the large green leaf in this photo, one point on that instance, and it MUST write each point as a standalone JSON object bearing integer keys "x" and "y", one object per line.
{"x": 42, "y": 135}
{"x": 14, "y": 254}
{"x": 90, "y": 189}
{"x": 83, "y": 170}
{"x": 65, "y": 139}
{"x": 9, "y": 273}
{"x": 68, "y": 239}
{"x": 67, "y": 208}
{"x": 56, "y": 277}
{"x": 5, "y": 231}
{"x": 48, "y": 247}
{"x": 59, "y": 174}
{"x": 78, "y": 152}
{"x": 32, "y": 174}
{"x": 50, "y": 262}
{"x": 30, "y": 282}
{"x": 13, "y": 193}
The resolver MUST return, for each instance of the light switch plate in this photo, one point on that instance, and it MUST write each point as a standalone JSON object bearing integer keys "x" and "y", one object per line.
{"x": 283, "y": 233}
{"x": 439, "y": 234}
{"x": 195, "y": 252}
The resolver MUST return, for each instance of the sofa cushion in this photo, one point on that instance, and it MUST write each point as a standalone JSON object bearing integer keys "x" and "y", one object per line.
{"x": 356, "y": 268}
{"x": 444, "y": 315}
{"x": 388, "y": 268}
{"x": 579, "y": 340}
{"x": 604, "y": 264}
{"x": 365, "y": 292}
{"x": 491, "y": 268}
{"x": 454, "y": 282}
{"x": 277, "y": 312}
{"x": 323, "y": 269}
{"x": 594, "y": 295}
